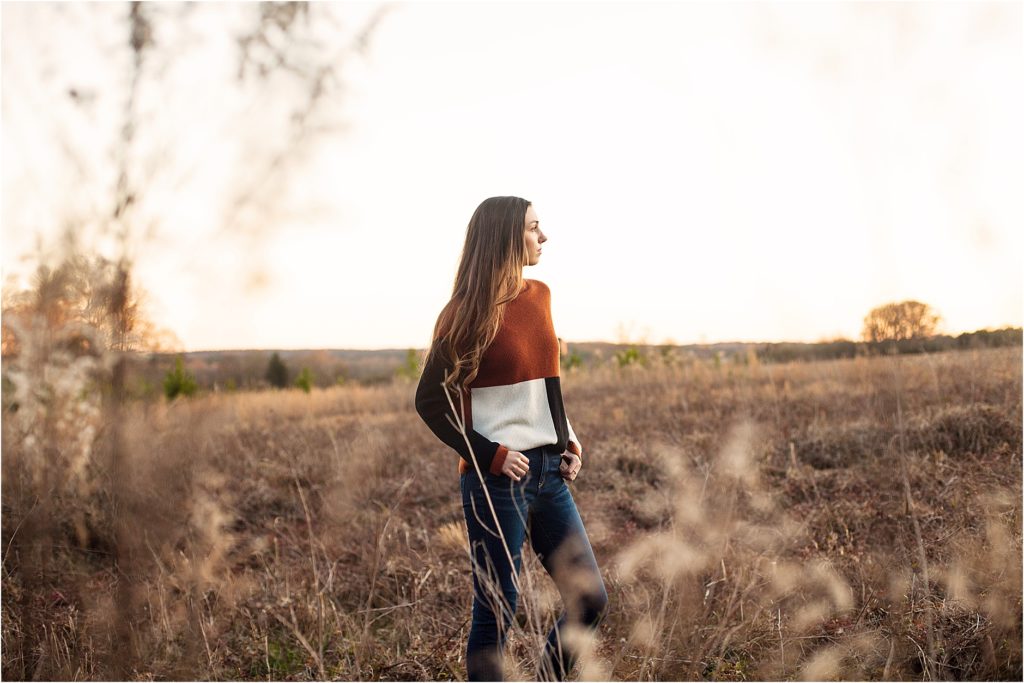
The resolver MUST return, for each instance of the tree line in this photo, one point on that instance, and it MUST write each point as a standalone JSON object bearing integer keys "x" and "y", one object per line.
{"x": 71, "y": 298}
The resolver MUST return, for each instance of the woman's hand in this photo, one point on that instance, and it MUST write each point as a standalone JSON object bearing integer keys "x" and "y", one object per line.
{"x": 571, "y": 464}
{"x": 515, "y": 466}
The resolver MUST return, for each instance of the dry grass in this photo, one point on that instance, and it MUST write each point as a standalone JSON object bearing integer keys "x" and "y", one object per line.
{"x": 752, "y": 522}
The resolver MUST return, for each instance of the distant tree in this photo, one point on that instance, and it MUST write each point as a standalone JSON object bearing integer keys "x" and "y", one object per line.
{"x": 1008, "y": 336}
{"x": 277, "y": 372}
{"x": 898, "y": 321}
{"x": 178, "y": 381}
{"x": 305, "y": 380}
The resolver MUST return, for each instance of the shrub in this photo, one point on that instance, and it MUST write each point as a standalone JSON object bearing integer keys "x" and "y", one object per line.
{"x": 305, "y": 380}
{"x": 410, "y": 369}
{"x": 178, "y": 381}
{"x": 630, "y": 356}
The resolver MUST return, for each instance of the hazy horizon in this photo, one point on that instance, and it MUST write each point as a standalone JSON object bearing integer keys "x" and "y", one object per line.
{"x": 573, "y": 341}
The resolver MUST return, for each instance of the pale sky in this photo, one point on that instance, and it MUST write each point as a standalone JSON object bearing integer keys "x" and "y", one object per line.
{"x": 704, "y": 172}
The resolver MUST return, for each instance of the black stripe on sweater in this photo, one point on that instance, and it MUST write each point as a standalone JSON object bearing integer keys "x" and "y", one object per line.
{"x": 554, "y": 388}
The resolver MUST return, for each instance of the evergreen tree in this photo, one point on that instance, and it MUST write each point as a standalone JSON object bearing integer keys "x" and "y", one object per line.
{"x": 277, "y": 372}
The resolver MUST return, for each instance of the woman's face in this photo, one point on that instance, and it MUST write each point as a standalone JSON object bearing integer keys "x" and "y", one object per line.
{"x": 534, "y": 236}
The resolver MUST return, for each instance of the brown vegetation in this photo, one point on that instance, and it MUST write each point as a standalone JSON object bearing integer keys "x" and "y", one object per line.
{"x": 847, "y": 519}
{"x": 900, "y": 320}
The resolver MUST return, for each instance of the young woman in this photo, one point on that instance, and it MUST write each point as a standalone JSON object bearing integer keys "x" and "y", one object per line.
{"x": 490, "y": 390}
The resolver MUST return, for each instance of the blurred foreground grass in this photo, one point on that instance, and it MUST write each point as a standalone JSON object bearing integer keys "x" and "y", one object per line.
{"x": 851, "y": 519}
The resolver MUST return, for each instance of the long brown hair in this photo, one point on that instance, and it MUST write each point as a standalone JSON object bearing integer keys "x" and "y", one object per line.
{"x": 490, "y": 275}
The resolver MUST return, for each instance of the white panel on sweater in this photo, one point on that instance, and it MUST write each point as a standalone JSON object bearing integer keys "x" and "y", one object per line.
{"x": 515, "y": 415}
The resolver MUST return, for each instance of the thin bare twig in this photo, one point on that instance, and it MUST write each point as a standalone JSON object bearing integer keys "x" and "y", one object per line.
{"x": 931, "y": 659}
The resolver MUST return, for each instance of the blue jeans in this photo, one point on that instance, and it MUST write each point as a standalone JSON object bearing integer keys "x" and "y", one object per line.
{"x": 539, "y": 506}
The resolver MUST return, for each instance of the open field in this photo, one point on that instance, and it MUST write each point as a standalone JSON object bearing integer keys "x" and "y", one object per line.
{"x": 849, "y": 519}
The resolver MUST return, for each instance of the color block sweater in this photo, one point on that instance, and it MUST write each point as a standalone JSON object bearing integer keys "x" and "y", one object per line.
{"x": 515, "y": 401}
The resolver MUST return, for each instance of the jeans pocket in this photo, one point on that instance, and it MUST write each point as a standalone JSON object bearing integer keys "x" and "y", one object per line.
{"x": 471, "y": 481}
{"x": 495, "y": 479}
